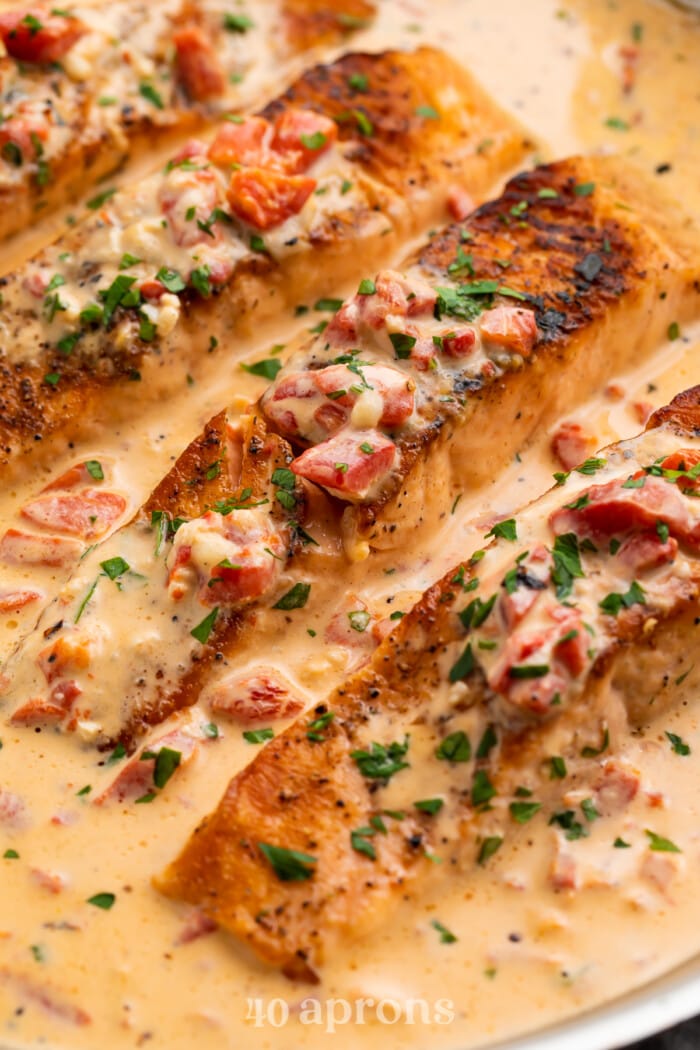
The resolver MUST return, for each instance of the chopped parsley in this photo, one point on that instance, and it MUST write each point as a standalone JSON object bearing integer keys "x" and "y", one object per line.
{"x": 265, "y": 369}
{"x": 296, "y": 598}
{"x": 258, "y": 736}
{"x": 614, "y": 602}
{"x": 567, "y": 564}
{"x": 661, "y": 845}
{"x": 102, "y": 900}
{"x": 203, "y": 630}
{"x": 382, "y": 761}
{"x": 289, "y": 865}
{"x": 489, "y": 846}
{"x": 678, "y": 745}
{"x": 149, "y": 92}
{"x": 446, "y": 936}
{"x": 167, "y": 761}
{"x": 506, "y": 530}
{"x": 455, "y": 748}
{"x": 430, "y": 805}
{"x": 522, "y": 812}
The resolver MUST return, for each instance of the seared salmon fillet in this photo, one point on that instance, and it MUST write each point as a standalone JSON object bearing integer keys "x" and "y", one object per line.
{"x": 355, "y": 157}
{"x": 160, "y": 603}
{"x": 83, "y": 84}
{"x": 512, "y": 682}
{"x": 431, "y": 377}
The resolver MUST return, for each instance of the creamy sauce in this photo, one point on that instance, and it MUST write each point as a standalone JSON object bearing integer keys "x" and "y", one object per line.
{"x": 525, "y": 956}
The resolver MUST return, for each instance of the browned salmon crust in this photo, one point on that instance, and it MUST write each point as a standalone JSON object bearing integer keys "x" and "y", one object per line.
{"x": 93, "y": 151}
{"x": 307, "y": 791}
{"x": 404, "y": 158}
{"x": 605, "y": 262}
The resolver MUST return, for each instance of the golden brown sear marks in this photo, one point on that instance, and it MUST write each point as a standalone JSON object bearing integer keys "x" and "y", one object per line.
{"x": 307, "y": 791}
{"x": 225, "y": 465}
{"x": 61, "y": 387}
{"x": 309, "y": 23}
{"x": 605, "y": 262}
{"x": 398, "y": 124}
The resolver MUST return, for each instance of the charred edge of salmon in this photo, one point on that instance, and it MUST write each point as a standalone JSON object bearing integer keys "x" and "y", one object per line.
{"x": 311, "y": 22}
{"x": 262, "y": 454}
{"x": 398, "y": 149}
{"x": 682, "y": 415}
{"x": 546, "y": 252}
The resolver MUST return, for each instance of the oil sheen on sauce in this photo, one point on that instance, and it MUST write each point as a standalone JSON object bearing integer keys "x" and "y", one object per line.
{"x": 524, "y": 956}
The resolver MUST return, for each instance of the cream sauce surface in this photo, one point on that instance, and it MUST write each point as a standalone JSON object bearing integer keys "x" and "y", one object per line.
{"x": 524, "y": 956}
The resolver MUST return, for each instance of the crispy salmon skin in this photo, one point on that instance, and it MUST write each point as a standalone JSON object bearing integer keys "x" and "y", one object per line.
{"x": 432, "y": 377}
{"x": 234, "y": 230}
{"x": 574, "y": 624}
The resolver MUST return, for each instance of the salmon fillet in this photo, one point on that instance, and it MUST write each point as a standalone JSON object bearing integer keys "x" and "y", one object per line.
{"x": 360, "y": 152}
{"x": 575, "y": 624}
{"x": 76, "y": 105}
{"x": 151, "y": 613}
{"x": 490, "y": 332}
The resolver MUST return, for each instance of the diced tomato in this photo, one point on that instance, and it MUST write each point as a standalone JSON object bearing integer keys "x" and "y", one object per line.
{"x": 402, "y": 295}
{"x": 646, "y": 550}
{"x": 517, "y": 605}
{"x": 50, "y": 881}
{"x": 13, "y": 809}
{"x": 343, "y": 466}
{"x": 533, "y": 695}
{"x": 395, "y": 388}
{"x": 35, "y": 35}
{"x": 13, "y": 601}
{"x": 88, "y": 514}
{"x": 249, "y": 699}
{"x": 459, "y": 203}
{"x": 424, "y": 351}
{"x": 193, "y": 149}
{"x": 189, "y": 198}
{"x": 613, "y": 510}
{"x": 571, "y": 647}
{"x": 459, "y": 343}
{"x": 615, "y": 788}
{"x": 532, "y": 580}
{"x": 43, "y": 711}
{"x": 265, "y": 199}
{"x": 70, "y": 479}
{"x": 629, "y": 56}
{"x": 152, "y": 289}
{"x": 195, "y": 926}
{"x": 563, "y": 873}
{"x": 27, "y": 133}
{"x": 342, "y": 330}
{"x": 571, "y": 444}
{"x": 232, "y": 559}
{"x": 179, "y": 570}
{"x": 197, "y": 64}
{"x": 511, "y": 327}
{"x": 351, "y": 628}
{"x": 37, "y": 712}
{"x": 22, "y": 548}
{"x": 135, "y": 779}
{"x": 70, "y": 652}
{"x": 242, "y": 143}
{"x": 300, "y": 136}
{"x": 642, "y": 410}
{"x": 36, "y": 282}
{"x": 685, "y": 459}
